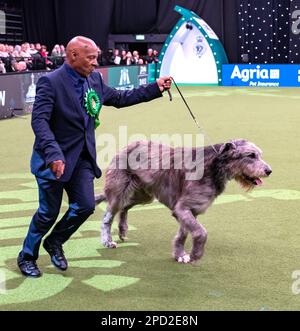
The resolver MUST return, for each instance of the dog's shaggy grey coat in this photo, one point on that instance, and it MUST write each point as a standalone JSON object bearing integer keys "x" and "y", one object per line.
{"x": 131, "y": 183}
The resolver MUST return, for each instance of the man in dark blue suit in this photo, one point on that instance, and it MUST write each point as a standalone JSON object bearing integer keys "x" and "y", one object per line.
{"x": 64, "y": 117}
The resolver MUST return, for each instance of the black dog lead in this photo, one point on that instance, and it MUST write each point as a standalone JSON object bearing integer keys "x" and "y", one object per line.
{"x": 190, "y": 111}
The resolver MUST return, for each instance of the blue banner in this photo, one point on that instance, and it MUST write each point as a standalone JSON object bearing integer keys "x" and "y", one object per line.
{"x": 261, "y": 75}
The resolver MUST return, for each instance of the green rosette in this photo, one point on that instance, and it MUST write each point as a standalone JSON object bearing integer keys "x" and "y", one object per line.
{"x": 92, "y": 105}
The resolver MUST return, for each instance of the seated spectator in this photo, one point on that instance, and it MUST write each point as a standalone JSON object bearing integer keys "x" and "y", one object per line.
{"x": 155, "y": 55}
{"x": 44, "y": 51}
{"x": 62, "y": 51}
{"x": 116, "y": 57}
{"x": 57, "y": 61}
{"x": 3, "y": 52}
{"x": 38, "y": 47}
{"x": 136, "y": 56}
{"x": 32, "y": 49}
{"x": 56, "y": 51}
{"x": 123, "y": 58}
{"x": 100, "y": 58}
{"x": 57, "y": 56}
{"x": 38, "y": 62}
{"x": 109, "y": 57}
{"x": 149, "y": 58}
{"x": 24, "y": 53}
{"x": 129, "y": 59}
{"x": 16, "y": 51}
{"x": 19, "y": 66}
{"x": 10, "y": 50}
{"x": 44, "y": 54}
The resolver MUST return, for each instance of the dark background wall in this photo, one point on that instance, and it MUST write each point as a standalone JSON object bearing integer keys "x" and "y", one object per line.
{"x": 57, "y": 21}
{"x": 265, "y": 31}
{"x": 256, "y": 31}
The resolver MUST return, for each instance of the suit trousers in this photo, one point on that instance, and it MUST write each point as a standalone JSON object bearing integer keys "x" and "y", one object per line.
{"x": 80, "y": 191}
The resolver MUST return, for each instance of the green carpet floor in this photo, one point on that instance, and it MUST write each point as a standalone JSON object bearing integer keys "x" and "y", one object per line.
{"x": 253, "y": 248}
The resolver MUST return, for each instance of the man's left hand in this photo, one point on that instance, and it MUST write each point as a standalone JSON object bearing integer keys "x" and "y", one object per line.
{"x": 164, "y": 83}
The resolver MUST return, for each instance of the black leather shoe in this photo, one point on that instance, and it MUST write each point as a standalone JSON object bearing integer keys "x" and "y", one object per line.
{"x": 28, "y": 268}
{"x": 57, "y": 255}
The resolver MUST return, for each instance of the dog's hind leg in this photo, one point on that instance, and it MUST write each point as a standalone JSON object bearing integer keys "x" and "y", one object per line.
{"x": 198, "y": 232}
{"x": 106, "y": 237}
{"x": 138, "y": 196}
{"x": 123, "y": 226}
{"x": 178, "y": 246}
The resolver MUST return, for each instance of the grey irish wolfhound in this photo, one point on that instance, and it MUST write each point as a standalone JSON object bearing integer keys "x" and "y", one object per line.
{"x": 186, "y": 180}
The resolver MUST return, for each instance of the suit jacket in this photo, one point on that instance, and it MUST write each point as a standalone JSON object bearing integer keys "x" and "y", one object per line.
{"x": 58, "y": 120}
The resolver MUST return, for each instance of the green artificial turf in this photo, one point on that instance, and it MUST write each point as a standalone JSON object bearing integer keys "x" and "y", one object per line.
{"x": 253, "y": 243}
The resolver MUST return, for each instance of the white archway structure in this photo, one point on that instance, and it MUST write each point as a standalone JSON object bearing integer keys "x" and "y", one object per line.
{"x": 192, "y": 54}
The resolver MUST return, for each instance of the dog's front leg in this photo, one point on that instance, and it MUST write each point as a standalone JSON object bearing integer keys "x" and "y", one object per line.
{"x": 106, "y": 238}
{"x": 199, "y": 235}
{"x": 178, "y": 246}
{"x": 198, "y": 232}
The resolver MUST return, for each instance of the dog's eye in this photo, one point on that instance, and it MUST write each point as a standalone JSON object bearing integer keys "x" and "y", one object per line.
{"x": 252, "y": 156}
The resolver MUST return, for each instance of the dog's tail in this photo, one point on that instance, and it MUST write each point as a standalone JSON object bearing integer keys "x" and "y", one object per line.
{"x": 100, "y": 198}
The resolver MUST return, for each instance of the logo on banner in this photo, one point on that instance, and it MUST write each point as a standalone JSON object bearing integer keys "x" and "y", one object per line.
{"x": 143, "y": 70}
{"x": 246, "y": 74}
{"x": 199, "y": 46}
{"x": 143, "y": 75}
{"x": 2, "y": 98}
{"x": 124, "y": 77}
{"x": 30, "y": 95}
{"x": 124, "y": 82}
{"x": 256, "y": 76}
{"x": 261, "y": 75}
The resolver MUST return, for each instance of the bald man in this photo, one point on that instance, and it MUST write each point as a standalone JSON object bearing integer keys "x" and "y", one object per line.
{"x": 64, "y": 151}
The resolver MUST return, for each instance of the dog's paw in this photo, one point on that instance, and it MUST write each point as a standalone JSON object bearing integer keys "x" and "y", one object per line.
{"x": 184, "y": 259}
{"x": 122, "y": 236}
{"x": 110, "y": 244}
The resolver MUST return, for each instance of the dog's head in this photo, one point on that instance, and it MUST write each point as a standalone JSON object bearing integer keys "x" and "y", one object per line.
{"x": 244, "y": 163}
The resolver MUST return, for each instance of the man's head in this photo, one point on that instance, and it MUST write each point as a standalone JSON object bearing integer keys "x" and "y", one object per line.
{"x": 82, "y": 54}
{"x": 150, "y": 51}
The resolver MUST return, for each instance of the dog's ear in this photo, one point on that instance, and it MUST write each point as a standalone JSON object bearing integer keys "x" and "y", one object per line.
{"x": 227, "y": 147}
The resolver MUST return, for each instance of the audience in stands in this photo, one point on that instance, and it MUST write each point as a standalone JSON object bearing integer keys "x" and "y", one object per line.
{"x": 29, "y": 56}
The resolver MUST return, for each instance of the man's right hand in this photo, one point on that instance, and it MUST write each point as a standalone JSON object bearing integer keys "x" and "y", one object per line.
{"x": 58, "y": 168}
